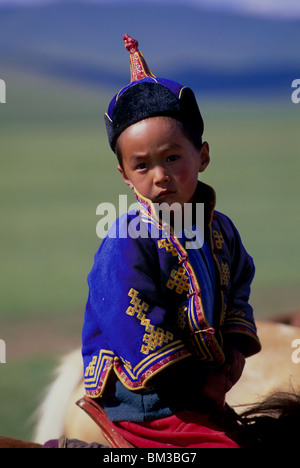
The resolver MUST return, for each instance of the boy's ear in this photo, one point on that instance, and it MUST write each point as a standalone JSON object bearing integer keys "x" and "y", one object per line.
{"x": 125, "y": 178}
{"x": 204, "y": 157}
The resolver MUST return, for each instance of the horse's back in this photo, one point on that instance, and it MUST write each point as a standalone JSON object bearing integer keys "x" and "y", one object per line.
{"x": 271, "y": 369}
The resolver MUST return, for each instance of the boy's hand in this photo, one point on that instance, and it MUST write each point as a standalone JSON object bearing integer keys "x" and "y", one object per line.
{"x": 216, "y": 387}
{"x": 235, "y": 362}
{"x": 219, "y": 383}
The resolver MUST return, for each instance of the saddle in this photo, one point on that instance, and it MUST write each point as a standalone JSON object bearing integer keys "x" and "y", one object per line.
{"x": 94, "y": 409}
{"x": 229, "y": 420}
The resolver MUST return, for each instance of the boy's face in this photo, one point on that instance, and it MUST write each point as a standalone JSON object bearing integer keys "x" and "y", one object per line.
{"x": 160, "y": 162}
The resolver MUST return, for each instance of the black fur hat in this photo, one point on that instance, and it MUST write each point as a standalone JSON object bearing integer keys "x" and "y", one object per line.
{"x": 148, "y": 96}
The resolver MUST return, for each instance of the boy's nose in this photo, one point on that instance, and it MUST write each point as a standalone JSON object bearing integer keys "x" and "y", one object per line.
{"x": 160, "y": 175}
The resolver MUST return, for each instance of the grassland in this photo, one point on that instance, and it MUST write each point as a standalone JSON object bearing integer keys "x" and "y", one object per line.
{"x": 56, "y": 168}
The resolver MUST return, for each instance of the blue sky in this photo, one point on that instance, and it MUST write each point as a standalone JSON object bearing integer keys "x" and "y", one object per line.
{"x": 273, "y": 8}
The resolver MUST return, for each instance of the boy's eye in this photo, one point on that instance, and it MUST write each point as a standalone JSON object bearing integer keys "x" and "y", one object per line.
{"x": 142, "y": 166}
{"x": 172, "y": 158}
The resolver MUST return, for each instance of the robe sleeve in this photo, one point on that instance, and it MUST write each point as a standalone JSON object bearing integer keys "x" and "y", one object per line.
{"x": 128, "y": 328}
{"x": 239, "y": 326}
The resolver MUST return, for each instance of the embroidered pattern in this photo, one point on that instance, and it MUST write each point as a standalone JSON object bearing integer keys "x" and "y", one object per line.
{"x": 136, "y": 378}
{"x": 178, "y": 280}
{"x": 126, "y": 363}
{"x": 219, "y": 241}
{"x": 240, "y": 324}
{"x": 225, "y": 272}
{"x": 236, "y": 313}
{"x": 97, "y": 372}
{"x": 181, "y": 316}
{"x": 154, "y": 337}
{"x": 138, "y": 306}
{"x": 167, "y": 244}
{"x": 90, "y": 370}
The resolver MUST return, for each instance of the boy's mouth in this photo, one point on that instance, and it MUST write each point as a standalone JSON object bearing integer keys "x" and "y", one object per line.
{"x": 165, "y": 193}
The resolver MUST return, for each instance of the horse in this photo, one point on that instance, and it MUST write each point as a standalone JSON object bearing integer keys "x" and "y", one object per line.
{"x": 263, "y": 407}
{"x": 272, "y": 423}
{"x": 270, "y": 370}
{"x": 10, "y": 442}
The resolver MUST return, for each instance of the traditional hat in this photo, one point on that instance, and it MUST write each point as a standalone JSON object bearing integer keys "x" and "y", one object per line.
{"x": 148, "y": 96}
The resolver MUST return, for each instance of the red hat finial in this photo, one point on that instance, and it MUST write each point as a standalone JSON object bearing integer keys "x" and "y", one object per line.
{"x": 130, "y": 44}
{"x": 138, "y": 66}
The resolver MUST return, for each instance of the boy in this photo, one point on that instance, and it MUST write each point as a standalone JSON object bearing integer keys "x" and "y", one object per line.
{"x": 167, "y": 326}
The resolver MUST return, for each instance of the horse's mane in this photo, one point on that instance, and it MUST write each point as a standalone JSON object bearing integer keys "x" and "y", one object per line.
{"x": 277, "y": 405}
{"x": 272, "y": 422}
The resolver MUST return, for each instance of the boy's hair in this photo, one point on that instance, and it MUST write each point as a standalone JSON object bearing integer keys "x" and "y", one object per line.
{"x": 148, "y": 96}
{"x": 190, "y": 131}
